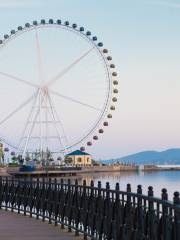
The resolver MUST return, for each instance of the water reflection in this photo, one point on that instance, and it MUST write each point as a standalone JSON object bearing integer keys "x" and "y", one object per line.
{"x": 158, "y": 179}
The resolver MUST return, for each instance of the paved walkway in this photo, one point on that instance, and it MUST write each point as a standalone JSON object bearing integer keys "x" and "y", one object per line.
{"x": 18, "y": 227}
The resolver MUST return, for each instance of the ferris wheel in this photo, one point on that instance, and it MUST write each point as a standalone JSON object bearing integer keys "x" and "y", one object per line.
{"x": 58, "y": 87}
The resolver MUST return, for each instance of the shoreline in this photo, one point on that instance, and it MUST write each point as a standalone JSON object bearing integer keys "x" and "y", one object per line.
{"x": 14, "y": 172}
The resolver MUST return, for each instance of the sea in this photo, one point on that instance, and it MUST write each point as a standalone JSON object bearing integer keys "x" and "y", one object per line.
{"x": 169, "y": 179}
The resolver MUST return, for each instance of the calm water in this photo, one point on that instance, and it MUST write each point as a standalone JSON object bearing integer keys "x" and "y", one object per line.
{"x": 158, "y": 179}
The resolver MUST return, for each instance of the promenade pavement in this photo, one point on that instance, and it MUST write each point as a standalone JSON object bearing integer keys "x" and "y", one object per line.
{"x": 19, "y": 227}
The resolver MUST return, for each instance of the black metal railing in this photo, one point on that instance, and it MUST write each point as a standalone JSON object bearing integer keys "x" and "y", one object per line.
{"x": 95, "y": 212}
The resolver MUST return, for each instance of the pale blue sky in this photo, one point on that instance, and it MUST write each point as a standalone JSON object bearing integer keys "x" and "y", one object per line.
{"x": 144, "y": 39}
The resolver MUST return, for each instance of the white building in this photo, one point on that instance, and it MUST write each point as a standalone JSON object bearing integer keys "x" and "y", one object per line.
{"x": 78, "y": 158}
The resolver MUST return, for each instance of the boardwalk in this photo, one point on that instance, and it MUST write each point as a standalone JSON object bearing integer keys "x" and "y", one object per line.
{"x": 18, "y": 227}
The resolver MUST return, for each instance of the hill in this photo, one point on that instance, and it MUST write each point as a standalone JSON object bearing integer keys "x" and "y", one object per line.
{"x": 170, "y": 156}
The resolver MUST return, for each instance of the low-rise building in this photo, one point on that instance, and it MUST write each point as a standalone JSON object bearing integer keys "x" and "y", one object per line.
{"x": 78, "y": 158}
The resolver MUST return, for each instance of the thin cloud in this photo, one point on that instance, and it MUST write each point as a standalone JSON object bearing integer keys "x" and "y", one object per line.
{"x": 164, "y": 4}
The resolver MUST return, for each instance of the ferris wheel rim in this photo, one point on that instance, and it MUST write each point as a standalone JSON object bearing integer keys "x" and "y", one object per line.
{"x": 97, "y": 47}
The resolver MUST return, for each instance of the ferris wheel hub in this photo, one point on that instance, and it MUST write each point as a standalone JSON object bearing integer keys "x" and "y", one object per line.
{"x": 44, "y": 89}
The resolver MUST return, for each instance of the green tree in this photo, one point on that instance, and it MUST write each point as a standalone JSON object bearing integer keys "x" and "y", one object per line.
{"x": 95, "y": 163}
{"x": 1, "y": 156}
{"x": 14, "y": 159}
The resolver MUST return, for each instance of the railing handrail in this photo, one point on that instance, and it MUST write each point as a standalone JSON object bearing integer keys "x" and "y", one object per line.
{"x": 132, "y": 194}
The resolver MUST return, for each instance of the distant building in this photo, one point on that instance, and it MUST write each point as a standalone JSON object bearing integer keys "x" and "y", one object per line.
{"x": 78, "y": 158}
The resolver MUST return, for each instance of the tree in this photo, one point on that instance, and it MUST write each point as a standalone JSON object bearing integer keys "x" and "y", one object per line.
{"x": 19, "y": 159}
{"x": 14, "y": 159}
{"x": 1, "y": 156}
{"x": 95, "y": 163}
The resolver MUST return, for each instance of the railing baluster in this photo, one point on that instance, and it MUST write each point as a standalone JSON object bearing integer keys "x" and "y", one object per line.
{"x": 140, "y": 215}
{"x": 166, "y": 227}
{"x": 55, "y": 202}
{"x": 25, "y": 196}
{"x": 69, "y": 200}
{"x": 152, "y": 228}
{"x": 177, "y": 216}
{"x": 126, "y": 233}
{"x": 99, "y": 212}
{"x": 19, "y": 196}
{"x": 6, "y": 193}
{"x": 37, "y": 198}
{"x": 76, "y": 208}
{"x": 49, "y": 201}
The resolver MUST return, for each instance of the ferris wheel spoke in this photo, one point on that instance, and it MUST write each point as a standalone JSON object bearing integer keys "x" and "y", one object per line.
{"x": 17, "y": 109}
{"x": 39, "y": 57}
{"x": 74, "y": 100}
{"x": 19, "y": 79}
{"x": 28, "y": 119}
{"x": 68, "y": 68}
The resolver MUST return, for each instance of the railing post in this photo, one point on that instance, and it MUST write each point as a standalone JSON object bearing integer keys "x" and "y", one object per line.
{"x": 100, "y": 211}
{"x": 6, "y": 194}
{"x": 177, "y": 216}
{"x": 166, "y": 227}
{"x": 69, "y": 201}
{"x": 31, "y": 200}
{"x": 76, "y": 210}
{"x": 116, "y": 219}
{"x": 128, "y": 217}
{"x": 108, "y": 214}
{"x": 151, "y": 220}
{"x": 62, "y": 203}
{"x": 55, "y": 202}
{"x": 19, "y": 196}
{"x": 49, "y": 200}
{"x": 92, "y": 209}
{"x": 140, "y": 218}
{"x": 84, "y": 209}
{"x": 37, "y": 198}
{"x": 25, "y": 196}
{"x": 12, "y": 194}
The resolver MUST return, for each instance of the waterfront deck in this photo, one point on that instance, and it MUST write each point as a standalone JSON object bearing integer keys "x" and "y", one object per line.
{"x": 18, "y": 227}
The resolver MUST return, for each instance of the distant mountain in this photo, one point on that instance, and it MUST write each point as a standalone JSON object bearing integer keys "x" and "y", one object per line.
{"x": 170, "y": 156}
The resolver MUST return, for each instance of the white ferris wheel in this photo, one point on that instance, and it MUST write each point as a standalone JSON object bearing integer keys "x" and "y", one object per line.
{"x": 58, "y": 87}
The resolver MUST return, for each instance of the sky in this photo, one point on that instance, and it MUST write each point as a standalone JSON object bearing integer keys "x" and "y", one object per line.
{"x": 144, "y": 40}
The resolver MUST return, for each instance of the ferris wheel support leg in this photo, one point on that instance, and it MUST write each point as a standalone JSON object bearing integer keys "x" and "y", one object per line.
{"x": 54, "y": 121}
{"x": 29, "y": 117}
{"x": 32, "y": 126}
{"x": 62, "y": 128}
